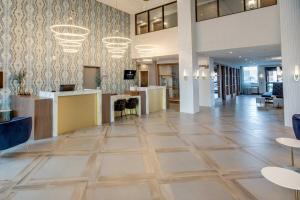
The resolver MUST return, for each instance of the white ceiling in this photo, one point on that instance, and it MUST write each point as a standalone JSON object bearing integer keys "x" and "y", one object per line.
{"x": 134, "y": 6}
{"x": 247, "y": 56}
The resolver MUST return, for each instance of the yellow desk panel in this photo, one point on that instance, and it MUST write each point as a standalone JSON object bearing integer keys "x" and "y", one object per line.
{"x": 76, "y": 112}
{"x": 155, "y": 100}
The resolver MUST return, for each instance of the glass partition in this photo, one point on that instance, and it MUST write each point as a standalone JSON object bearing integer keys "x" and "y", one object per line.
{"x": 228, "y": 7}
{"x": 170, "y": 15}
{"x": 156, "y": 19}
{"x": 142, "y": 23}
{"x": 207, "y": 9}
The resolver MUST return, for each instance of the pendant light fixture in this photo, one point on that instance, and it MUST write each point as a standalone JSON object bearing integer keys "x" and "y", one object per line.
{"x": 116, "y": 44}
{"x": 69, "y": 36}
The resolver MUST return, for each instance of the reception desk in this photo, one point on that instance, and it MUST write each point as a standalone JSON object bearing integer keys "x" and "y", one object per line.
{"x": 74, "y": 110}
{"x": 156, "y": 99}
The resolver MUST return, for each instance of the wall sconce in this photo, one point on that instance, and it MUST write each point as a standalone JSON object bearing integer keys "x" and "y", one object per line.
{"x": 261, "y": 76}
{"x": 185, "y": 75}
{"x": 297, "y": 73}
{"x": 196, "y": 74}
{"x": 203, "y": 75}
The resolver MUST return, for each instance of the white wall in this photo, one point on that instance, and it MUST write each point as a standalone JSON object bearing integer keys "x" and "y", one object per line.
{"x": 253, "y": 28}
{"x": 247, "y": 29}
{"x": 206, "y": 90}
{"x": 165, "y": 40}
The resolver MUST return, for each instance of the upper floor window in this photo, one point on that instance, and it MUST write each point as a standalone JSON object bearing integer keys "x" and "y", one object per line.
{"x": 209, "y": 9}
{"x": 156, "y": 19}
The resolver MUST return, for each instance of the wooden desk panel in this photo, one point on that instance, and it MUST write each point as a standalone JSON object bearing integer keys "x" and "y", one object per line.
{"x": 40, "y": 109}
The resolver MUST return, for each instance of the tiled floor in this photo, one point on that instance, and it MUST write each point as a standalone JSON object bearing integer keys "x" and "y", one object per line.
{"x": 216, "y": 154}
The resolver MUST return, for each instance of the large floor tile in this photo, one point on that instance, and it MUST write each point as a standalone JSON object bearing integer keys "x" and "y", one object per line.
{"x": 159, "y": 128}
{"x": 48, "y": 193}
{"x": 166, "y": 141}
{"x": 80, "y": 144}
{"x": 11, "y": 167}
{"x": 118, "y": 165}
{"x": 122, "y": 143}
{"x": 196, "y": 190}
{"x": 59, "y": 167}
{"x": 262, "y": 189}
{"x": 235, "y": 160}
{"x": 209, "y": 141}
{"x": 129, "y": 192}
{"x": 123, "y": 130}
{"x": 172, "y": 162}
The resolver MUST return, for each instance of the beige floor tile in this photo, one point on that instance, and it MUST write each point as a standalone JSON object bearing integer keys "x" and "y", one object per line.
{"x": 122, "y": 143}
{"x": 59, "y": 167}
{"x": 197, "y": 190}
{"x": 50, "y": 193}
{"x": 166, "y": 141}
{"x": 123, "y": 130}
{"x": 158, "y": 128}
{"x": 80, "y": 144}
{"x": 128, "y": 192}
{"x": 247, "y": 140}
{"x": 11, "y": 167}
{"x": 118, "y": 165}
{"x": 235, "y": 160}
{"x": 173, "y": 162}
{"x": 262, "y": 189}
{"x": 209, "y": 141}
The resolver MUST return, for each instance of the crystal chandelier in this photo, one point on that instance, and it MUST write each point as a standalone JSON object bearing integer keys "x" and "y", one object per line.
{"x": 116, "y": 44}
{"x": 70, "y": 37}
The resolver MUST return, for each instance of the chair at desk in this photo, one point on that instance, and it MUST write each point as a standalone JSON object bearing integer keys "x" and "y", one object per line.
{"x": 120, "y": 106}
{"x": 131, "y": 104}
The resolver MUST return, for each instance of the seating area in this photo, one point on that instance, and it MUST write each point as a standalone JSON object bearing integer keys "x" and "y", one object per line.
{"x": 275, "y": 97}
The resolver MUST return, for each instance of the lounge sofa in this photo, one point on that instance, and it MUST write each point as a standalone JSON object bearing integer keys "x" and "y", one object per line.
{"x": 15, "y": 132}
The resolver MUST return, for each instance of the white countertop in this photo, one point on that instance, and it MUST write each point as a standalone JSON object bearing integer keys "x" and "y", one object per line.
{"x": 68, "y": 93}
{"x": 147, "y": 88}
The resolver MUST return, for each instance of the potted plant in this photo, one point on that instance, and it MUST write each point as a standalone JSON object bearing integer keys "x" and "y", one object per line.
{"x": 18, "y": 80}
{"x": 98, "y": 81}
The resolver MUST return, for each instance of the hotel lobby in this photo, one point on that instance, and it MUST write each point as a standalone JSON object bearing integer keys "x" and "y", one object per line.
{"x": 149, "y": 99}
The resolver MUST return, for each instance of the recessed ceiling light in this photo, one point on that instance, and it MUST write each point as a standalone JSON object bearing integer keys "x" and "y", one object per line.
{"x": 240, "y": 56}
{"x": 230, "y": 52}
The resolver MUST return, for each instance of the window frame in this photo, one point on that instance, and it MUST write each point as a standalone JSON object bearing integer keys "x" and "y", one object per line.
{"x": 148, "y": 13}
{"x": 218, "y": 10}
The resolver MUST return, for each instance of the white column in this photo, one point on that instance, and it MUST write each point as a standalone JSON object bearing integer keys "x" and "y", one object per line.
{"x": 206, "y": 84}
{"x": 189, "y": 88}
{"x": 290, "y": 47}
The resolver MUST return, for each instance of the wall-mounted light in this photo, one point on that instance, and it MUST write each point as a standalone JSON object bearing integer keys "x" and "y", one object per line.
{"x": 279, "y": 71}
{"x": 297, "y": 73}
{"x": 196, "y": 74}
{"x": 203, "y": 74}
{"x": 261, "y": 76}
{"x": 185, "y": 75}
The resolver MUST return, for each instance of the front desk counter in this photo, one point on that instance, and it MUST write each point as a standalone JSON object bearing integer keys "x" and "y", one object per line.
{"x": 75, "y": 110}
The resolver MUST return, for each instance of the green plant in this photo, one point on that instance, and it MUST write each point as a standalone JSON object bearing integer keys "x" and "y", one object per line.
{"x": 98, "y": 80}
{"x": 18, "y": 80}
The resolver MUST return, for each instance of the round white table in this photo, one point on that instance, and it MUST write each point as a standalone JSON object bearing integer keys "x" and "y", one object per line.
{"x": 292, "y": 143}
{"x": 283, "y": 177}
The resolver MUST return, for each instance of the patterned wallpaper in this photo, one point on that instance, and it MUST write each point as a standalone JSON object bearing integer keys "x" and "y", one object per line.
{"x": 27, "y": 42}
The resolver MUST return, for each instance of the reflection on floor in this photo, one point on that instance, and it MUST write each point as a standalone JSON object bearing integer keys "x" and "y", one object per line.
{"x": 214, "y": 155}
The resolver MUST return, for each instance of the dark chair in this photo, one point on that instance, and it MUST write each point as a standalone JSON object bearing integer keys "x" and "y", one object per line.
{"x": 15, "y": 132}
{"x": 131, "y": 104}
{"x": 120, "y": 106}
{"x": 278, "y": 90}
{"x": 296, "y": 125}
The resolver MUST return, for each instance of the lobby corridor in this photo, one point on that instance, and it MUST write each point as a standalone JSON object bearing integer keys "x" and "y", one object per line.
{"x": 216, "y": 154}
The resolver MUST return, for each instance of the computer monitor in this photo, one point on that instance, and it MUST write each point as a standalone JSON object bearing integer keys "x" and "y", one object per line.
{"x": 65, "y": 88}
